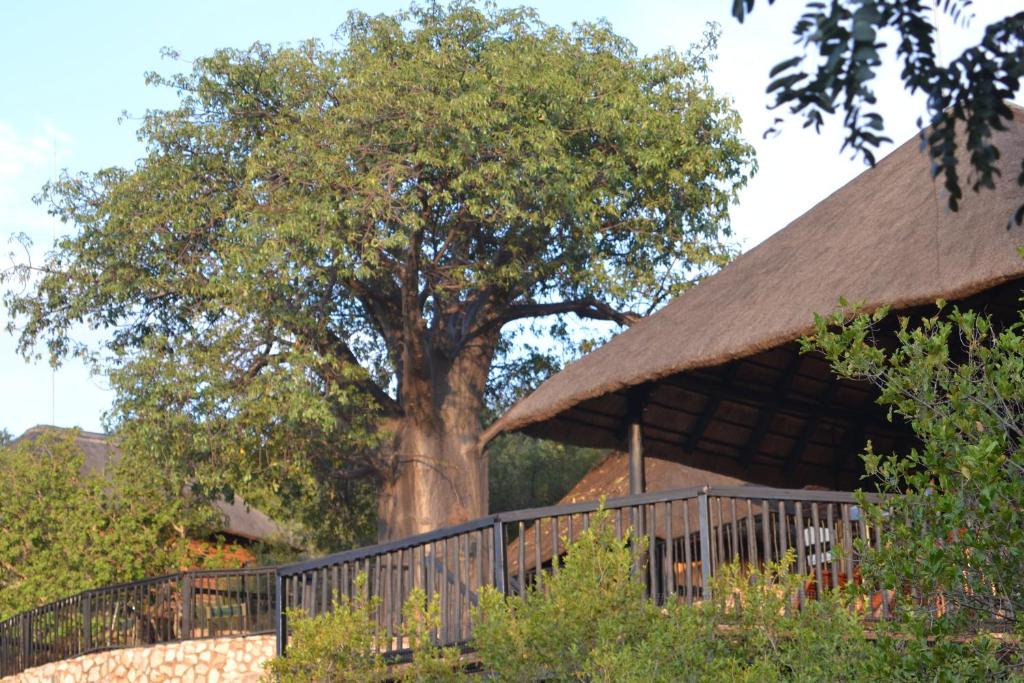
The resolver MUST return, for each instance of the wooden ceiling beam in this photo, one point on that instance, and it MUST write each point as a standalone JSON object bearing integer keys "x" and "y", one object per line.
{"x": 766, "y": 415}
{"x": 708, "y": 414}
{"x": 801, "y": 409}
{"x": 810, "y": 426}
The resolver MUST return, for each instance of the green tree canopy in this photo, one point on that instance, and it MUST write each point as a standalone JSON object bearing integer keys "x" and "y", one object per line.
{"x": 966, "y": 96}
{"x": 63, "y": 530}
{"x": 308, "y": 277}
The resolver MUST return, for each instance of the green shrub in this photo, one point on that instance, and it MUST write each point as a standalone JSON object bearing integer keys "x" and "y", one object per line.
{"x": 591, "y": 621}
{"x": 591, "y": 604}
{"x": 346, "y": 644}
{"x": 430, "y": 662}
{"x": 341, "y": 645}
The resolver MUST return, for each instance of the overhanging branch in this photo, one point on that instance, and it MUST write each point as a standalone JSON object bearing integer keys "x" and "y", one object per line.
{"x": 588, "y": 307}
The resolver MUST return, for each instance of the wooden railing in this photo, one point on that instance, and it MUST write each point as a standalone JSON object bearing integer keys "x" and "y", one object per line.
{"x": 692, "y": 534}
{"x": 189, "y": 605}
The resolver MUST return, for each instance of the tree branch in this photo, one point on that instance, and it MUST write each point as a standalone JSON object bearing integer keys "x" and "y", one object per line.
{"x": 588, "y": 307}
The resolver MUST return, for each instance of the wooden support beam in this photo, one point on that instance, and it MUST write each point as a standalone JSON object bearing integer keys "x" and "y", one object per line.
{"x": 810, "y": 425}
{"x": 853, "y": 440}
{"x": 767, "y": 414}
{"x": 637, "y": 402}
{"x": 708, "y": 413}
{"x": 756, "y": 398}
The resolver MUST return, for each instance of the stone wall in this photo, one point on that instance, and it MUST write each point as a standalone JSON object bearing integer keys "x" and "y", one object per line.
{"x": 215, "y": 660}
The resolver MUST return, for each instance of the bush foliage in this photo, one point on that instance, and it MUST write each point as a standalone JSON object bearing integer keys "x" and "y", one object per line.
{"x": 591, "y": 622}
{"x": 63, "y": 530}
{"x": 955, "y": 523}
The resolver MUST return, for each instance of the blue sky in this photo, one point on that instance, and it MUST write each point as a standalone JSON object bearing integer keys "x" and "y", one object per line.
{"x": 72, "y": 68}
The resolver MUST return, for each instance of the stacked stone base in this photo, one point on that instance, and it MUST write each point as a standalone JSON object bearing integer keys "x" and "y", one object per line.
{"x": 215, "y": 660}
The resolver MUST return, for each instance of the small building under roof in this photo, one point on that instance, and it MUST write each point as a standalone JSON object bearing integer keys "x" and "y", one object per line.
{"x": 715, "y": 380}
{"x": 609, "y": 478}
{"x": 239, "y": 521}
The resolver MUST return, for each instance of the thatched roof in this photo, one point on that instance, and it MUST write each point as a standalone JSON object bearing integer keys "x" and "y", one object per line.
{"x": 609, "y": 478}
{"x": 239, "y": 519}
{"x": 722, "y": 383}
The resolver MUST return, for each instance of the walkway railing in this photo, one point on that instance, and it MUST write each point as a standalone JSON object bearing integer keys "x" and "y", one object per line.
{"x": 693, "y": 532}
{"x": 184, "y": 606}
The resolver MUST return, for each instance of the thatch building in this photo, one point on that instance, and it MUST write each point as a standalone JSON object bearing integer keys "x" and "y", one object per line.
{"x": 241, "y": 524}
{"x": 715, "y": 380}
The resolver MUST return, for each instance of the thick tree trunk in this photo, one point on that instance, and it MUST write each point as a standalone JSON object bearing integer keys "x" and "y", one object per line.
{"x": 441, "y": 480}
{"x": 439, "y": 477}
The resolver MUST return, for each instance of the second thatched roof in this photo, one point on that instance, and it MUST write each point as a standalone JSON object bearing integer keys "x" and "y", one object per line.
{"x": 744, "y": 402}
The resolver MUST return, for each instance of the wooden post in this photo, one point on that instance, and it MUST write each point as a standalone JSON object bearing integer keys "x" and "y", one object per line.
{"x": 705, "y": 543}
{"x": 636, "y": 459}
{"x": 637, "y": 398}
{"x": 500, "y": 551}
{"x": 186, "y": 606}
{"x": 87, "y": 621}
{"x": 280, "y": 623}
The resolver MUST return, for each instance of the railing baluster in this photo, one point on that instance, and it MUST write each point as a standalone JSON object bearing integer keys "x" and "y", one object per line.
{"x": 847, "y": 542}
{"x": 705, "y": 544}
{"x": 500, "y": 551}
{"x": 670, "y": 555}
{"x": 538, "y": 572}
{"x": 445, "y": 593}
{"x": 818, "y": 549}
{"x": 687, "y": 553}
{"x": 460, "y": 588}
{"x": 833, "y": 533}
{"x": 650, "y": 517}
{"x": 801, "y": 549}
{"x": 751, "y": 534}
{"x": 766, "y": 537}
{"x": 782, "y": 532}
{"x": 734, "y": 554}
{"x": 521, "y": 558}
{"x": 555, "y": 530}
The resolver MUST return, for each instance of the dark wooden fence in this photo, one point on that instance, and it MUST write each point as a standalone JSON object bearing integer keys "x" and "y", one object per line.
{"x": 189, "y": 605}
{"x": 692, "y": 533}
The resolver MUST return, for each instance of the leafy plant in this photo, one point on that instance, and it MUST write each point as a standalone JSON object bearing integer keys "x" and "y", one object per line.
{"x": 954, "y": 520}
{"x": 593, "y": 622}
{"x": 63, "y": 530}
{"x": 421, "y": 620}
{"x": 967, "y": 97}
{"x": 593, "y": 603}
{"x": 343, "y": 644}
{"x": 347, "y": 643}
